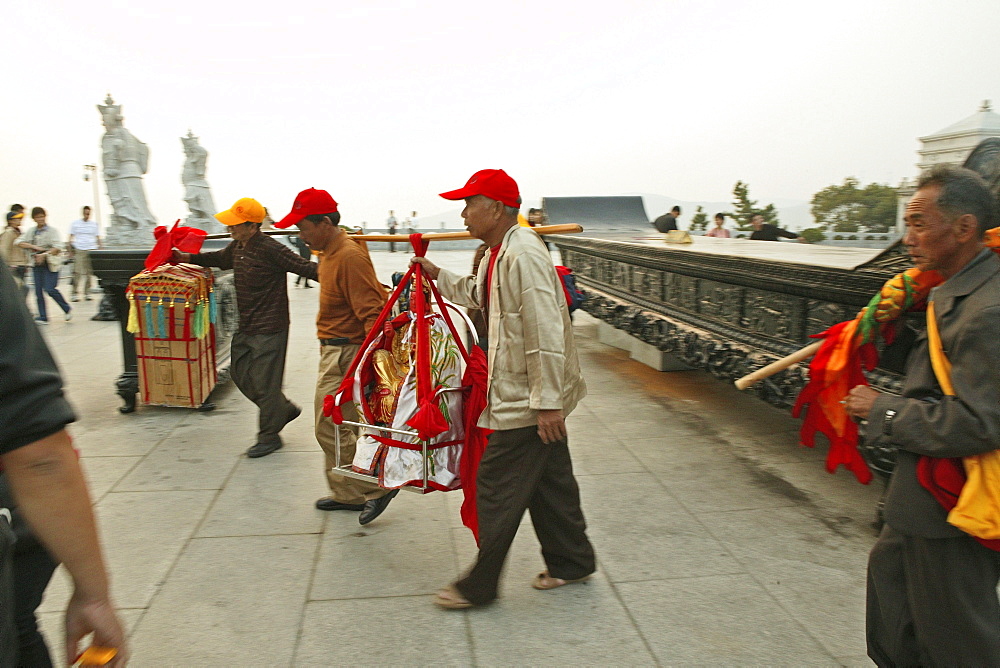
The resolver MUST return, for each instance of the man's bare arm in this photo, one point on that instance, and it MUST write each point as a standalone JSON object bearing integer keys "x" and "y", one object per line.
{"x": 48, "y": 484}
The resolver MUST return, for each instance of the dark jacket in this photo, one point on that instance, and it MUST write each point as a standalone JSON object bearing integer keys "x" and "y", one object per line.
{"x": 927, "y": 422}
{"x": 32, "y": 405}
{"x": 769, "y": 232}
{"x": 665, "y": 223}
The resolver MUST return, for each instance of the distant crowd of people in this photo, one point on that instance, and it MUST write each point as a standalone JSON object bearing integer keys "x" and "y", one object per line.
{"x": 40, "y": 252}
{"x": 762, "y": 230}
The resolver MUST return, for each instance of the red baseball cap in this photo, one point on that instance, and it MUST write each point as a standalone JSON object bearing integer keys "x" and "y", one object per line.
{"x": 309, "y": 202}
{"x": 493, "y": 183}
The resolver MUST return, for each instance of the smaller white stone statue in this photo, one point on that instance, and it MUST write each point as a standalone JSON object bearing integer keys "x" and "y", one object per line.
{"x": 197, "y": 193}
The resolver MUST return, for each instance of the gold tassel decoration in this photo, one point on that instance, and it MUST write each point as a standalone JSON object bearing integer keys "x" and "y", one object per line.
{"x": 132, "y": 326}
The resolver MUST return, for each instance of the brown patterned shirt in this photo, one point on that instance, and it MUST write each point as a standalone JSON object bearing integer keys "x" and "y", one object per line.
{"x": 259, "y": 266}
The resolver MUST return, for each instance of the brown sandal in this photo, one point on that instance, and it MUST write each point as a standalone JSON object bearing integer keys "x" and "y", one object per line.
{"x": 544, "y": 581}
{"x": 450, "y": 599}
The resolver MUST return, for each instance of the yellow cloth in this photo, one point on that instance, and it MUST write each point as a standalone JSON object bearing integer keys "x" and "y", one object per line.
{"x": 977, "y": 512}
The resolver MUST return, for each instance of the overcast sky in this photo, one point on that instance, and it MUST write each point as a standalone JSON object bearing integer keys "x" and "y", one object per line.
{"x": 385, "y": 104}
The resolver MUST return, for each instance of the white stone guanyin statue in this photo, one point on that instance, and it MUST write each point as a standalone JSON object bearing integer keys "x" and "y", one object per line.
{"x": 125, "y": 160}
{"x": 197, "y": 193}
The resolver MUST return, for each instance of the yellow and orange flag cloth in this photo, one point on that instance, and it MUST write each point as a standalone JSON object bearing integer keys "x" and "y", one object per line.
{"x": 968, "y": 487}
{"x": 837, "y": 367}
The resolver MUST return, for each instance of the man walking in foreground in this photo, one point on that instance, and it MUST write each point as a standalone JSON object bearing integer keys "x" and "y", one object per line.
{"x": 259, "y": 265}
{"x": 932, "y": 588}
{"x": 534, "y": 383}
{"x": 350, "y": 300}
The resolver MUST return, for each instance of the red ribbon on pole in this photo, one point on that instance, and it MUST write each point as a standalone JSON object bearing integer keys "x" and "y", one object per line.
{"x": 428, "y": 420}
{"x": 184, "y": 239}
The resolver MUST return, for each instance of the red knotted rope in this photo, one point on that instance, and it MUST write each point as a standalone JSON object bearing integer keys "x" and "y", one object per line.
{"x": 428, "y": 420}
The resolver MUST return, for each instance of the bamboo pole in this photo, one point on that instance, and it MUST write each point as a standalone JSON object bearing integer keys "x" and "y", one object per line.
{"x": 780, "y": 365}
{"x": 431, "y": 236}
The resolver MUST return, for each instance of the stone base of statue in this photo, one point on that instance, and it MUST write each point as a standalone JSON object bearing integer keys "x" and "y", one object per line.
{"x": 124, "y": 235}
{"x": 210, "y": 225}
{"x": 106, "y": 310}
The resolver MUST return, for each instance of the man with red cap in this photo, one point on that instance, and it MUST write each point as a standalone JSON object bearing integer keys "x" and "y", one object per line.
{"x": 350, "y": 300}
{"x": 259, "y": 265}
{"x": 534, "y": 383}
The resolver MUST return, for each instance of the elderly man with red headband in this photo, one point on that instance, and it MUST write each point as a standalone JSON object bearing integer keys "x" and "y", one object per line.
{"x": 259, "y": 265}
{"x": 535, "y": 382}
{"x": 350, "y": 300}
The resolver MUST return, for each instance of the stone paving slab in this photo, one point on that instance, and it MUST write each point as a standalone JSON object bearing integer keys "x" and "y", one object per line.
{"x": 720, "y": 541}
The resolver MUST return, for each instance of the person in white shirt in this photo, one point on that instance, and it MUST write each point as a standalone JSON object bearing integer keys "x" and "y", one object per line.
{"x": 83, "y": 238}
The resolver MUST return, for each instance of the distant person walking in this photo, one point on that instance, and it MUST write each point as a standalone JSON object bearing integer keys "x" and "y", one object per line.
{"x": 719, "y": 231}
{"x": 304, "y": 251}
{"x": 43, "y": 244}
{"x": 767, "y": 232}
{"x": 83, "y": 238}
{"x": 390, "y": 225}
{"x": 668, "y": 221}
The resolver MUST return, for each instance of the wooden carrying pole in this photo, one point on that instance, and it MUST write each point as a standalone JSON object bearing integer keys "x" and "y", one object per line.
{"x": 431, "y": 236}
{"x": 774, "y": 367}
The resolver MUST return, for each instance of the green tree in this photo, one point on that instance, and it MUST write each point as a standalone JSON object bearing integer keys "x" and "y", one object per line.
{"x": 699, "y": 221}
{"x": 745, "y": 208}
{"x": 848, "y": 208}
{"x": 813, "y": 235}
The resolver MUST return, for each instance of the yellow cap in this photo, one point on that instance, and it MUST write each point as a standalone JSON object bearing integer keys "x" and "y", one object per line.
{"x": 246, "y": 210}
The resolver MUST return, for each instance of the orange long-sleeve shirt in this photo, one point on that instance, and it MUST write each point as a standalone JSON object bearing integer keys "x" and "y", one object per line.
{"x": 350, "y": 296}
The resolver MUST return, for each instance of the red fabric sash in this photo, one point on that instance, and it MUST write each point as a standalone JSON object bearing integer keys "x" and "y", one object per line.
{"x": 184, "y": 239}
{"x": 944, "y": 479}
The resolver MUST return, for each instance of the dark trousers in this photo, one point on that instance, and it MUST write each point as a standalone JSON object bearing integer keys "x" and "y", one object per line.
{"x": 45, "y": 284}
{"x": 520, "y": 472}
{"x": 8, "y": 632}
{"x": 932, "y": 602}
{"x": 21, "y": 274}
{"x": 33, "y": 568}
{"x": 258, "y": 369}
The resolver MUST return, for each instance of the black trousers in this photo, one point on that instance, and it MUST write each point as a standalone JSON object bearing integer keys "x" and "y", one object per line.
{"x": 33, "y": 568}
{"x": 258, "y": 370}
{"x": 932, "y": 602}
{"x": 8, "y": 631}
{"x": 518, "y": 471}
{"x": 30, "y": 569}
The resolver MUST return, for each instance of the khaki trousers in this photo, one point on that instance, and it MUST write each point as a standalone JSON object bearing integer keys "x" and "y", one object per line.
{"x": 82, "y": 271}
{"x": 333, "y": 364}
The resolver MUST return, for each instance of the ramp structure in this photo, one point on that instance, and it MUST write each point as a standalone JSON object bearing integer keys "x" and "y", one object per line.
{"x": 600, "y": 216}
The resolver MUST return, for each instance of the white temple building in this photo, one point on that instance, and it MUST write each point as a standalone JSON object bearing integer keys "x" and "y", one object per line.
{"x": 950, "y": 146}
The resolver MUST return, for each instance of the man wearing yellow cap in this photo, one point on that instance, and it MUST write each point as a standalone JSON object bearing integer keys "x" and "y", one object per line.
{"x": 259, "y": 265}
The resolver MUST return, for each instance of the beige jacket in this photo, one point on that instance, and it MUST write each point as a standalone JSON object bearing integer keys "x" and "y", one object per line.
{"x": 533, "y": 363}
{"x": 10, "y": 253}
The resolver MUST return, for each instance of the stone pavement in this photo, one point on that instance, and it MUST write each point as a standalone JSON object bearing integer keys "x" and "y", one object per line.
{"x": 720, "y": 541}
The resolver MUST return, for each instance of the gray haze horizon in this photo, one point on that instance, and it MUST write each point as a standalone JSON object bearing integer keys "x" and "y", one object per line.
{"x": 386, "y": 104}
